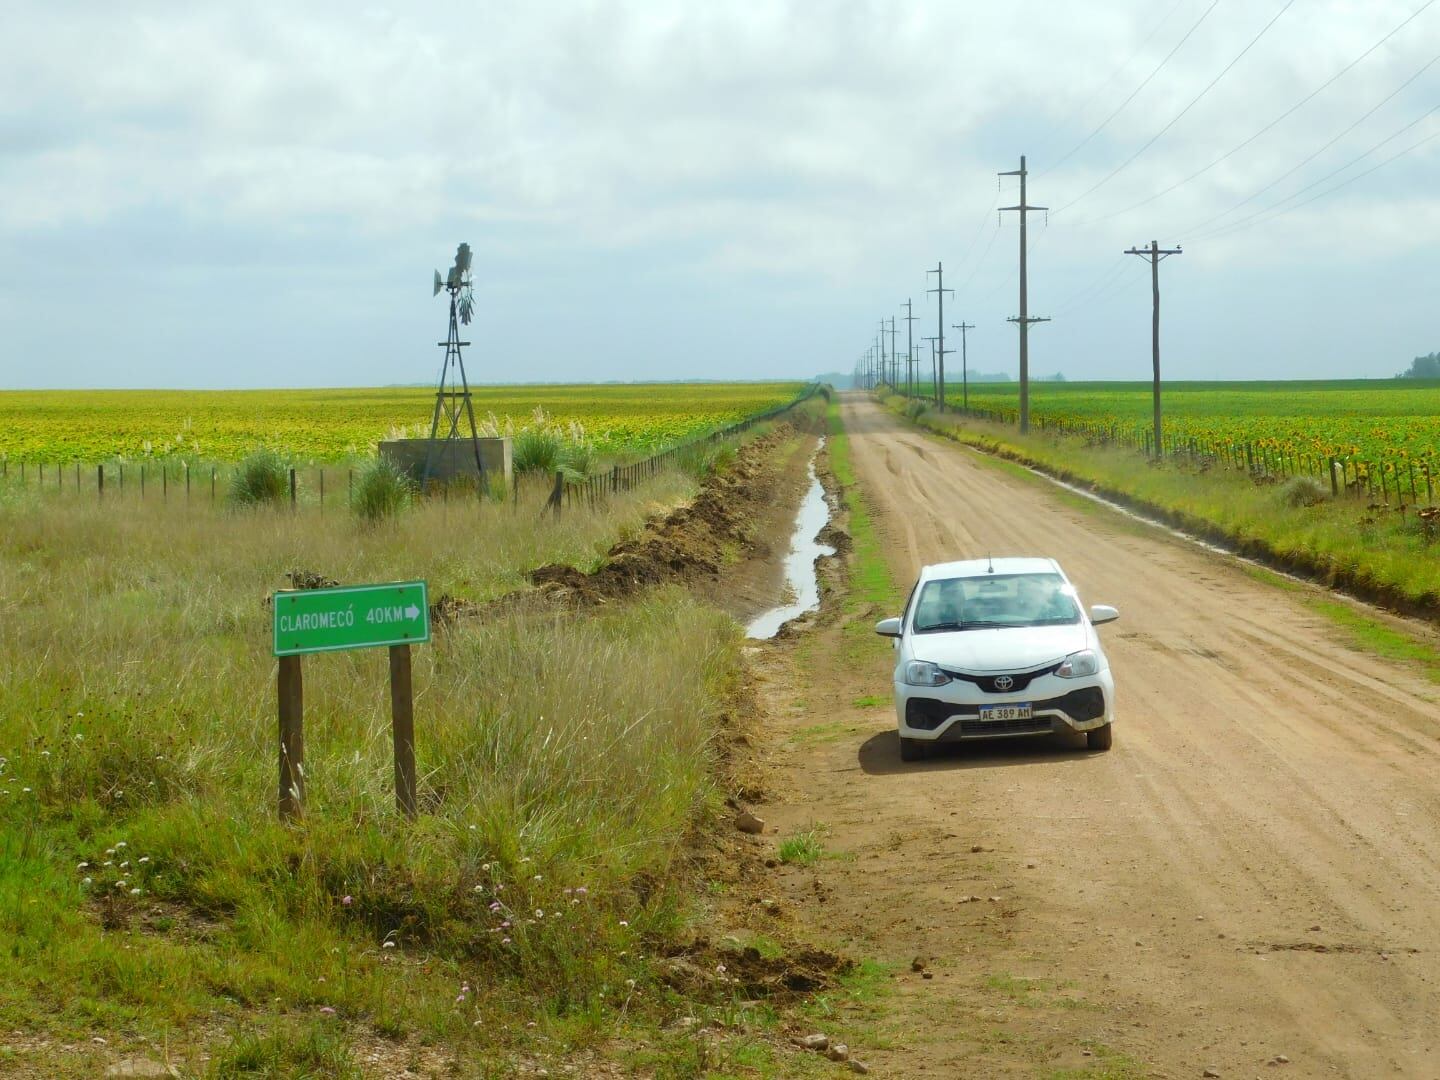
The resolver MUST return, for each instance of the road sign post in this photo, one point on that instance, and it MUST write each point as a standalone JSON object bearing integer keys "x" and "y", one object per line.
{"x": 394, "y": 615}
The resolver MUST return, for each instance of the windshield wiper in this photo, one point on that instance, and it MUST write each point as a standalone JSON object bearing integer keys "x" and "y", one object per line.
{"x": 969, "y": 625}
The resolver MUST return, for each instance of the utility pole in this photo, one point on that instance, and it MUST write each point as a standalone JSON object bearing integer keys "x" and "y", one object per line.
{"x": 940, "y": 292}
{"x": 884, "y": 363}
{"x": 1023, "y": 318}
{"x": 894, "y": 356}
{"x": 1155, "y": 254}
{"x": 910, "y": 318}
{"x": 934, "y": 375}
{"x": 964, "y": 360}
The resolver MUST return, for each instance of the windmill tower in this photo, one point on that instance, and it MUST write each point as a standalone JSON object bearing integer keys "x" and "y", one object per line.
{"x": 452, "y": 397}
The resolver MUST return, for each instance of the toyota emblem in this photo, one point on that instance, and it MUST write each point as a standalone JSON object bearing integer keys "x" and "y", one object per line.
{"x": 1004, "y": 682}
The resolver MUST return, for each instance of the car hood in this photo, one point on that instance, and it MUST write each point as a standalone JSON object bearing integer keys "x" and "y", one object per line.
{"x": 1015, "y": 649}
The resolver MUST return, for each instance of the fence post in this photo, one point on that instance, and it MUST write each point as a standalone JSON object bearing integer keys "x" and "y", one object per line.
{"x": 1334, "y": 484}
{"x": 292, "y": 489}
{"x": 99, "y": 482}
{"x": 615, "y": 479}
{"x": 558, "y": 493}
{"x": 187, "y": 482}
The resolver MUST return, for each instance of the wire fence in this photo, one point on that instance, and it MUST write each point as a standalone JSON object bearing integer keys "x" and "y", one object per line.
{"x": 1404, "y": 479}
{"x": 591, "y": 491}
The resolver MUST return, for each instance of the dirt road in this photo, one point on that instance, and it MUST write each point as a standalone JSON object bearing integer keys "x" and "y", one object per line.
{"x": 1253, "y": 872}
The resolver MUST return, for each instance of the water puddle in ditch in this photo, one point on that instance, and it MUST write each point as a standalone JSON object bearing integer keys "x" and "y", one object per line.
{"x": 801, "y": 581}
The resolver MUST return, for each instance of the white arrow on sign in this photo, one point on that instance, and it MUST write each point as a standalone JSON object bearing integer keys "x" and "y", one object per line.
{"x": 412, "y": 612}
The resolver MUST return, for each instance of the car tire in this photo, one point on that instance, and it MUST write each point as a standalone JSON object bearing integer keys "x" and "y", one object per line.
{"x": 1100, "y": 738}
{"x": 913, "y": 749}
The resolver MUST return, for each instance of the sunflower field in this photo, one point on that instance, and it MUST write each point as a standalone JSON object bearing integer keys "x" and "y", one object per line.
{"x": 618, "y": 420}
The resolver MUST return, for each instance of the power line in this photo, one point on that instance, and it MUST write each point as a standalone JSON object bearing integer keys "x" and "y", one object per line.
{"x": 1144, "y": 83}
{"x": 1268, "y": 127}
{"x": 1090, "y": 97}
{"x": 1296, "y": 168}
{"x": 1176, "y": 119}
{"x": 1266, "y": 215}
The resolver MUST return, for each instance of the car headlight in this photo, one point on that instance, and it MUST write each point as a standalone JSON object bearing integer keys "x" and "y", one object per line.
{"x": 924, "y": 673}
{"x": 1079, "y": 664}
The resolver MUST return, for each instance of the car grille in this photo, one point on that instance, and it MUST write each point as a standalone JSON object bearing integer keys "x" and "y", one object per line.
{"x": 1019, "y": 679}
{"x": 927, "y": 714}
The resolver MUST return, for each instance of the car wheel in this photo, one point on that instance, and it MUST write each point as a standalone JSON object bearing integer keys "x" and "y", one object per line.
{"x": 1100, "y": 738}
{"x": 913, "y": 749}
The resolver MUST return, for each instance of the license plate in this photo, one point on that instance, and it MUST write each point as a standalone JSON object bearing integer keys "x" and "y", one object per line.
{"x": 1005, "y": 712}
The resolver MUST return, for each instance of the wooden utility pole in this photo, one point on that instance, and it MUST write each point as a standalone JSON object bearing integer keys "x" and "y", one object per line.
{"x": 910, "y": 319}
{"x": 1023, "y": 319}
{"x": 964, "y": 360}
{"x": 292, "y": 738}
{"x": 884, "y": 363}
{"x": 894, "y": 356}
{"x": 1155, "y": 254}
{"x": 940, "y": 350}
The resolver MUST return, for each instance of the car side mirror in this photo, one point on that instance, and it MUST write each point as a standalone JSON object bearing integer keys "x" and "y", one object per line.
{"x": 1103, "y": 613}
{"x": 888, "y": 628}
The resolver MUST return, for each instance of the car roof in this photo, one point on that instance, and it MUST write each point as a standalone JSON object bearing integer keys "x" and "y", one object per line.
{"x": 981, "y": 567}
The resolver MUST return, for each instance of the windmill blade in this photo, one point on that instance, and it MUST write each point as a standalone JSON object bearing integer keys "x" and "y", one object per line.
{"x": 438, "y": 284}
{"x": 462, "y": 259}
{"x": 467, "y": 306}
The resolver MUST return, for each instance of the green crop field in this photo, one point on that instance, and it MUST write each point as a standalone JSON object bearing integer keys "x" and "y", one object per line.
{"x": 330, "y": 425}
{"x": 1363, "y": 419}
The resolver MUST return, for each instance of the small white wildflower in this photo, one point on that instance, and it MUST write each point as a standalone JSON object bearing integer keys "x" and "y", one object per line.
{"x": 27, "y": 791}
{"x": 83, "y": 866}
{"x": 144, "y": 858}
{"x": 479, "y": 888}
{"x": 121, "y": 844}
{"x": 537, "y": 877}
{"x": 388, "y": 945}
{"x": 121, "y": 883}
{"x": 109, "y": 851}
{"x": 485, "y": 866}
{"x": 124, "y": 864}
{"x": 87, "y": 882}
{"x": 134, "y": 892}
{"x": 624, "y": 922}
{"x": 44, "y": 753}
{"x": 539, "y": 913}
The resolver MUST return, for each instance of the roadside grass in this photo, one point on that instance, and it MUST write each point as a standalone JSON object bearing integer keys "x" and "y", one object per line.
{"x": 870, "y": 701}
{"x": 871, "y": 583}
{"x": 803, "y": 848}
{"x": 1373, "y": 636}
{"x": 147, "y": 890}
{"x": 1341, "y": 540}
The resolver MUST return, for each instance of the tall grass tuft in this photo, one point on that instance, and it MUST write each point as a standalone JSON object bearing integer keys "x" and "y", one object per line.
{"x": 537, "y": 449}
{"x": 382, "y": 491}
{"x": 1303, "y": 491}
{"x": 262, "y": 477}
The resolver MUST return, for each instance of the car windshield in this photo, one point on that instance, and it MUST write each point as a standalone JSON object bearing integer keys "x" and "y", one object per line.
{"x": 995, "y": 600}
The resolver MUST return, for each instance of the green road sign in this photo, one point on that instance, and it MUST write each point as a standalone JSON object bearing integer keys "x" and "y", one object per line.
{"x": 351, "y": 617}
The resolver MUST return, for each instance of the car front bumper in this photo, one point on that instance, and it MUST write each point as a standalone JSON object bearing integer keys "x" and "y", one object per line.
{"x": 951, "y": 713}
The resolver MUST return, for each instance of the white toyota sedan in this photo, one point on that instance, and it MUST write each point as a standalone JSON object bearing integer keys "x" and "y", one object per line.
{"x": 998, "y": 648}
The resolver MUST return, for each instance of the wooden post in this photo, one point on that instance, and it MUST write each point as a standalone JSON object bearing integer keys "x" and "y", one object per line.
{"x": 322, "y": 489}
{"x": 187, "y": 482}
{"x": 100, "y": 482}
{"x": 292, "y": 739}
{"x": 292, "y": 489}
{"x": 402, "y": 723}
{"x": 1334, "y": 483}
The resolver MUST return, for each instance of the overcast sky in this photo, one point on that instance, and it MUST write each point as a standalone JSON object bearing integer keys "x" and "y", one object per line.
{"x": 213, "y": 195}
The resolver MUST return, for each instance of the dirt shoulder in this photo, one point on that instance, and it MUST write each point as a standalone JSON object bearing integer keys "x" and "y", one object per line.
{"x": 1246, "y": 884}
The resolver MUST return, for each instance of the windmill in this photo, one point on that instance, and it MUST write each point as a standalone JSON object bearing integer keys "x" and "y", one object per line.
{"x": 452, "y": 397}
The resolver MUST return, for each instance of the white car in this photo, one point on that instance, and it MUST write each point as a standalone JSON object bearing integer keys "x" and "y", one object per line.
{"x": 998, "y": 648}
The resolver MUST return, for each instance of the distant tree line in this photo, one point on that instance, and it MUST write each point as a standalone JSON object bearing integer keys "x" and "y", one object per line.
{"x": 1423, "y": 367}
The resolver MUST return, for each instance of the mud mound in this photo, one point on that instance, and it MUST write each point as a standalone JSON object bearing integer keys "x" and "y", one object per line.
{"x": 690, "y": 544}
{"x": 703, "y": 970}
